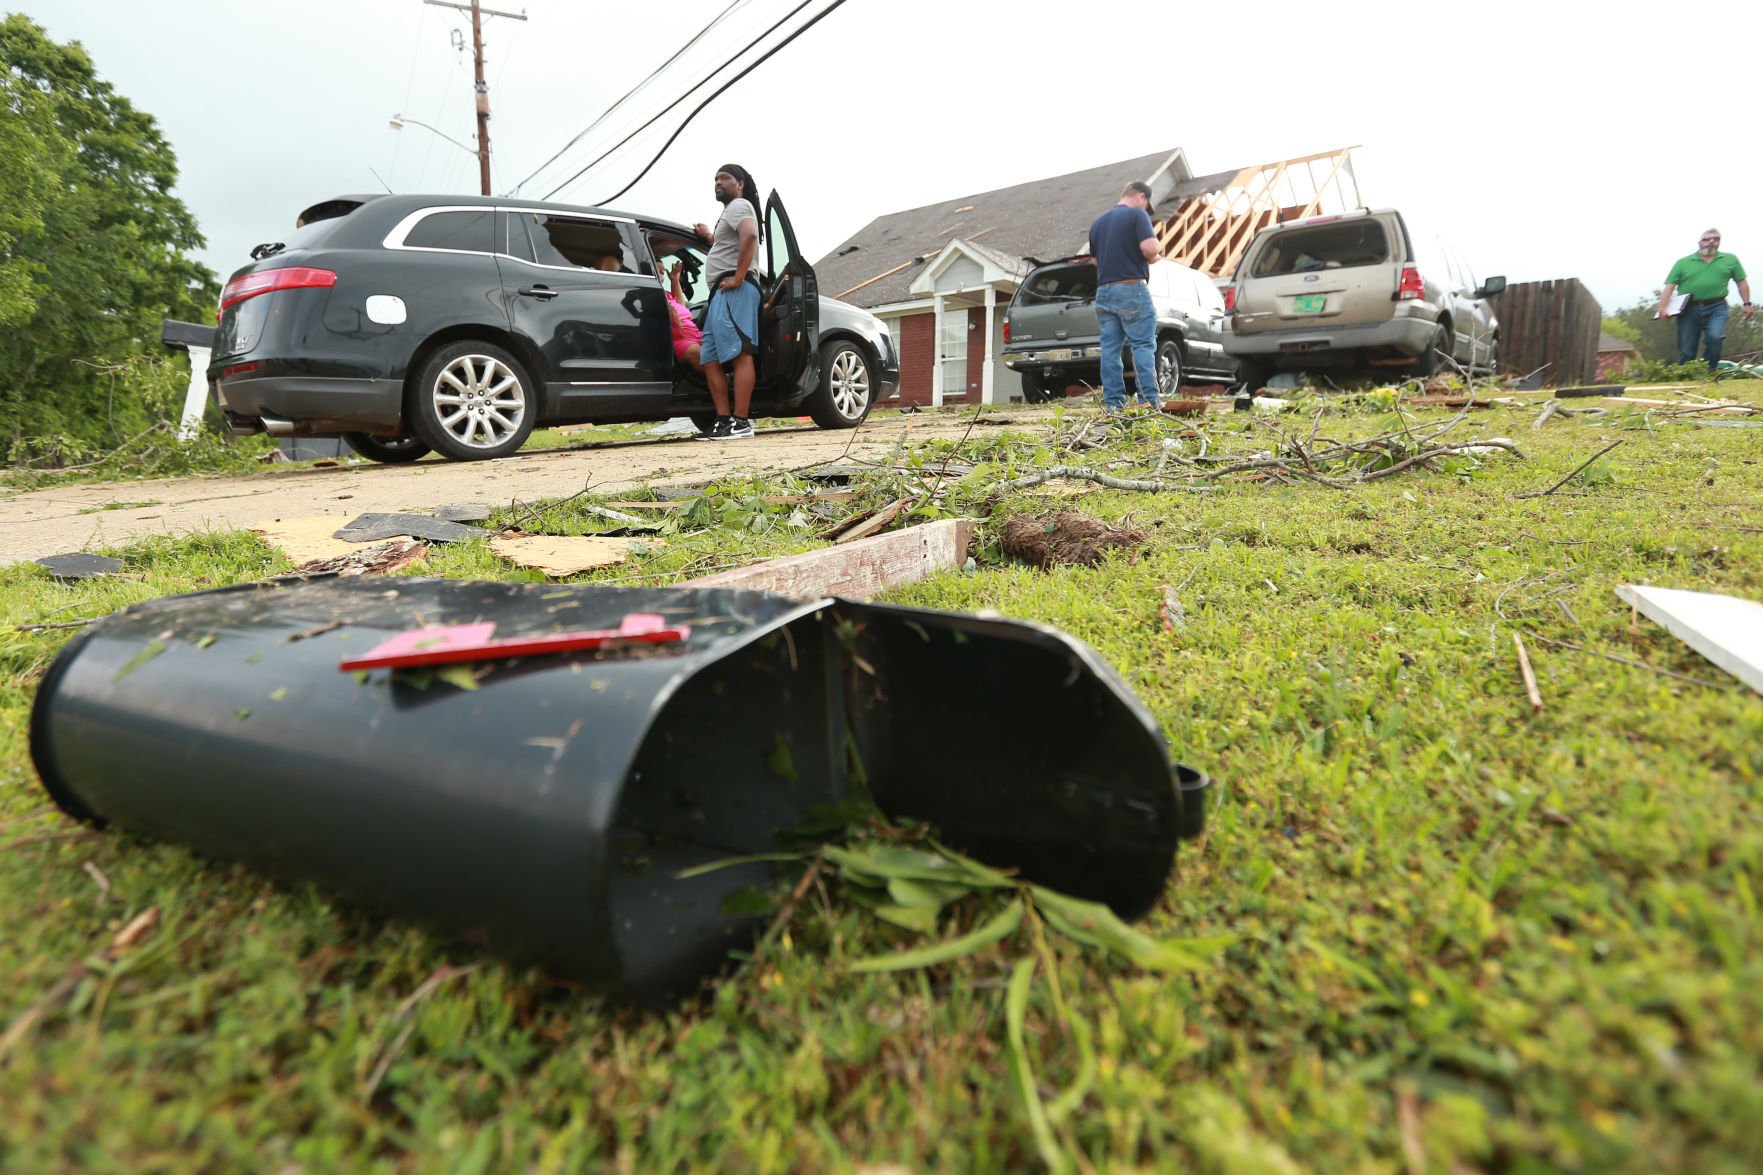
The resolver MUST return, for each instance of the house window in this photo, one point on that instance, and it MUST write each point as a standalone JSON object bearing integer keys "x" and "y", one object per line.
{"x": 952, "y": 351}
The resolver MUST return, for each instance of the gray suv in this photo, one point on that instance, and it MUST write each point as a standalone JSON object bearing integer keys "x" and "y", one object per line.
{"x": 1358, "y": 294}
{"x": 1052, "y": 340}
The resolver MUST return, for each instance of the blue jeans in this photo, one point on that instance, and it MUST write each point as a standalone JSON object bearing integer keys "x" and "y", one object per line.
{"x": 1125, "y": 314}
{"x": 1699, "y": 323}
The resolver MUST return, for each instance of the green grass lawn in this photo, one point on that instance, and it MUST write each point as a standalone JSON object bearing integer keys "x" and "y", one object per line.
{"x": 1470, "y": 936}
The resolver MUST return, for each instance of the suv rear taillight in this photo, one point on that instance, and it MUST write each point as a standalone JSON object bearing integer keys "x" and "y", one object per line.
{"x": 1006, "y": 330}
{"x": 264, "y": 281}
{"x": 1412, "y": 286}
{"x": 1230, "y": 299}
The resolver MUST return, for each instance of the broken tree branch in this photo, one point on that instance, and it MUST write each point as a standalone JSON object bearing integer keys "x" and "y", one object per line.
{"x": 1576, "y": 472}
{"x": 1530, "y": 678}
{"x": 1085, "y": 473}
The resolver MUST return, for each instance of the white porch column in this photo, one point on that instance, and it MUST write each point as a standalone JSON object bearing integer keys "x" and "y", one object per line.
{"x": 936, "y": 356}
{"x": 987, "y": 392}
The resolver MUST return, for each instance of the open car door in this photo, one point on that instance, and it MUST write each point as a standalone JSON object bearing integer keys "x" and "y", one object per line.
{"x": 789, "y": 316}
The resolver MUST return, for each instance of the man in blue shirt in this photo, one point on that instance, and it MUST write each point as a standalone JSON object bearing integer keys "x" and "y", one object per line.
{"x": 1124, "y": 245}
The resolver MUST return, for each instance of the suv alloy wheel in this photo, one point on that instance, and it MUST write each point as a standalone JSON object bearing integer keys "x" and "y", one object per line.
{"x": 1168, "y": 369}
{"x": 843, "y": 398}
{"x": 472, "y": 401}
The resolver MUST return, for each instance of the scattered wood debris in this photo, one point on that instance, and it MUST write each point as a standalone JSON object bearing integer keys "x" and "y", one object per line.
{"x": 307, "y": 540}
{"x": 861, "y": 570}
{"x": 382, "y": 559}
{"x": 69, "y": 983}
{"x": 560, "y": 555}
{"x": 861, "y": 526}
{"x": 1071, "y": 537}
{"x": 1175, "y": 617}
{"x": 1530, "y": 678}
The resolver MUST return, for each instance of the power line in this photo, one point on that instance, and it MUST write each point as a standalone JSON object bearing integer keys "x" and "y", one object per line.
{"x": 785, "y": 19}
{"x": 766, "y": 56}
{"x": 653, "y": 74}
{"x": 409, "y": 87}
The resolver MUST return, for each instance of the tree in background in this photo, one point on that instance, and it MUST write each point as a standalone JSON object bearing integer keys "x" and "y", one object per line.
{"x": 94, "y": 248}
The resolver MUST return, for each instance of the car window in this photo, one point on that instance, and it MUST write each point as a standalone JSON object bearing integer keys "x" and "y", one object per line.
{"x": 690, "y": 260}
{"x": 1065, "y": 283}
{"x": 517, "y": 245}
{"x": 1341, "y": 245}
{"x": 576, "y": 242}
{"x": 777, "y": 242}
{"x": 1206, "y": 295}
{"x": 464, "y": 230}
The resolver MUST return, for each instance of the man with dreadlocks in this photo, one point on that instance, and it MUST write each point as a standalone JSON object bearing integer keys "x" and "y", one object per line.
{"x": 731, "y": 322}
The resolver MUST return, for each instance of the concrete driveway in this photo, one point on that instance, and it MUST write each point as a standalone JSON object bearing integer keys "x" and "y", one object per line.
{"x": 83, "y": 518}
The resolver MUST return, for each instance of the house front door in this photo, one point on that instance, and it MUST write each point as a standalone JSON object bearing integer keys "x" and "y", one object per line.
{"x": 952, "y": 354}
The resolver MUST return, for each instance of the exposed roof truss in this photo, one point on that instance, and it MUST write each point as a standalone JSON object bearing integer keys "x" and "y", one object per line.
{"x": 1209, "y": 230}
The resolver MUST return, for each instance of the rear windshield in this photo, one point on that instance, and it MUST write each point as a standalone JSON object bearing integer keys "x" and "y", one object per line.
{"x": 1058, "y": 283}
{"x": 310, "y": 229}
{"x": 1326, "y": 246}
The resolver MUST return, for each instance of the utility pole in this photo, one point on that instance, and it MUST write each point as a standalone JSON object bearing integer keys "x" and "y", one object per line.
{"x": 483, "y": 91}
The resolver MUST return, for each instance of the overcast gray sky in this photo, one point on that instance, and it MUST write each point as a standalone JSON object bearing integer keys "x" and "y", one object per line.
{"x": 1544, "y": 140}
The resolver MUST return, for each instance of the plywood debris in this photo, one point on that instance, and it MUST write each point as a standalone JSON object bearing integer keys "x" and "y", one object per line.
{"x": 307, "y": 540}
{"x": 560, "y": 555}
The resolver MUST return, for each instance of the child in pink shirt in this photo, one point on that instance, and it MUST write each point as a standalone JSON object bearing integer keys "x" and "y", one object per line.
{"x": 687, "y": 338}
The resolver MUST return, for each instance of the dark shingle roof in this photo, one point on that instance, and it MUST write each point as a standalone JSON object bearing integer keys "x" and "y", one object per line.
{"x": 1038, "y": 221}
{"x": 1609, "y": 342}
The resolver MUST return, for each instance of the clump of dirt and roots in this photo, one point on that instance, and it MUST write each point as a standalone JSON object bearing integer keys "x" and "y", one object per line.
{"x": 1056, "y": 537}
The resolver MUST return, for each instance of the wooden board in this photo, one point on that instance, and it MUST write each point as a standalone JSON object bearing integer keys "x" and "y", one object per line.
{"x": 560, "y": 555}
{"x": 304, "y": 540}
{"x": 1725, "y": 629}
{"x": 859, "y": 570}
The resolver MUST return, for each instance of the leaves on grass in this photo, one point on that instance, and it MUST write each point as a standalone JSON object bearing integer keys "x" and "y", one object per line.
{"x": 1096, "y": 925}
{"x": 1022, "y": 1074}
{"x": 1001, "y": 926}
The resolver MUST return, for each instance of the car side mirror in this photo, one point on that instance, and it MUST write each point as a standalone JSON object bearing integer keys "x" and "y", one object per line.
{"x": 1491, "y": 287}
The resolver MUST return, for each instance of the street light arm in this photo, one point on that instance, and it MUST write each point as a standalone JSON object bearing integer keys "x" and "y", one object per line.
{"x": 398, "y": 122}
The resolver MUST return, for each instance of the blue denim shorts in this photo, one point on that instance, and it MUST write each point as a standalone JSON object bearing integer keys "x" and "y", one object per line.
{"x": 731, "y": 326}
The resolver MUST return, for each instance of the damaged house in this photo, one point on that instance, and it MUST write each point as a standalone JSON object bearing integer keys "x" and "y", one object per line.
{"x": 942, "y": 275}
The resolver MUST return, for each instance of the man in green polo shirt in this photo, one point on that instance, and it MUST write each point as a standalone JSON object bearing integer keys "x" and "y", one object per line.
{"x": 1703, "y": 277}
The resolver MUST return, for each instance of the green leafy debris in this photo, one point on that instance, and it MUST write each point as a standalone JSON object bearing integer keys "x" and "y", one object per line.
{"x": 152, "y": 649}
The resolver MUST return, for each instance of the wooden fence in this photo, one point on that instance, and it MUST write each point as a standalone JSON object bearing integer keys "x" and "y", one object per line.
{"x": 1550, "y": 325}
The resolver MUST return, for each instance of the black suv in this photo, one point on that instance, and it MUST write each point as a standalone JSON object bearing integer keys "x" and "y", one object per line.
{"x": 456, "y": 324}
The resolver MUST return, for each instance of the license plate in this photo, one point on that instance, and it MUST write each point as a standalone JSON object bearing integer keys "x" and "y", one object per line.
{"x": 1309, "y": 304}
{"x": 1059, "y": 356}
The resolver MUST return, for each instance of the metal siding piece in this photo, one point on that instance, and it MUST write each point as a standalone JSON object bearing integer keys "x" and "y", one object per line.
{"x": 1725, "y": 629}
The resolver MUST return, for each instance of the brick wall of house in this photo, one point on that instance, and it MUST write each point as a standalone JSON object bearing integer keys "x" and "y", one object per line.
{"x": 1612, "y": 364}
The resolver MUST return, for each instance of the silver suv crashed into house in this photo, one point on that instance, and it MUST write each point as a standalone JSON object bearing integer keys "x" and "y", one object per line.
{"x": 1356, "y": 293}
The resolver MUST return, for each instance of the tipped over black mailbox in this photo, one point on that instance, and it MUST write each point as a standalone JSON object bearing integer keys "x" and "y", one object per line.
{"x": 545, "y": 813}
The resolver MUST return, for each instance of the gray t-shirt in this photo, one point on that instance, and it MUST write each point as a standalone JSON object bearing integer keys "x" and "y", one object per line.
{"x": 725, "y": 243}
